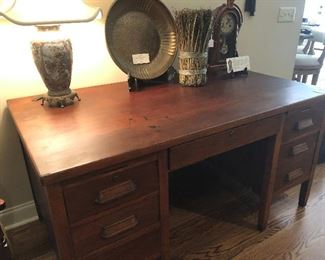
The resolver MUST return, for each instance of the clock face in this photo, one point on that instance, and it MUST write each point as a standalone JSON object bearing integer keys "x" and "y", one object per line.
{"x": 227, "y": 24}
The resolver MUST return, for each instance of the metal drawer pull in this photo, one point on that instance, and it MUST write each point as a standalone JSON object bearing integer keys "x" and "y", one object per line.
{"x": 115, "y": 192}
{"x": 306, "y": 110}
{"x": 119, "y": 227}
{"x": 299, "y": 148}
{"x": 306, "y": 123}
{"x": 294, "y": 174}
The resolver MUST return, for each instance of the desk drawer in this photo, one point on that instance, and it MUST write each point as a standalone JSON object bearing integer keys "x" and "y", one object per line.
{"x": 146, "y": 247}
{"x": 293, "y": 172}
{"x": 302, "y": 121}
{"x": 109, "y": 190}
{"x": 203, "y": 148}
{"x": 116, "y": 225}
{"x": 299, "y": 150}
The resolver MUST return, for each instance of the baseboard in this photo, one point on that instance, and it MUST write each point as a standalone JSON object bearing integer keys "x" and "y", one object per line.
{"x": 18, "y": 215}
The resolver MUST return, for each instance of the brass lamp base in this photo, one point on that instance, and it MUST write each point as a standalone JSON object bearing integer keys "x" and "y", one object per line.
{"x": 59, "y": 101}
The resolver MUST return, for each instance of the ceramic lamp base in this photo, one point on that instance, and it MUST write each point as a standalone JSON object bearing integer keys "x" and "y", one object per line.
{"x": 52, "y": 53}
{"x": 60, "y": 101}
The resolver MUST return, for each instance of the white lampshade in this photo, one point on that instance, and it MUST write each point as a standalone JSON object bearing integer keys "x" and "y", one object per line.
{"x": 42, "y": 12}
{"x": 5, "y": 5}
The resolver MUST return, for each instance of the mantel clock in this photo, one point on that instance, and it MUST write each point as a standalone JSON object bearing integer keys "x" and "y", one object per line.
{"x": 227, "y": 23}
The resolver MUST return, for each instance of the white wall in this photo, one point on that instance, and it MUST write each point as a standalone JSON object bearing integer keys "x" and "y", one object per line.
{"x": 315, "y": 11}
{"x": 270, "y": 45}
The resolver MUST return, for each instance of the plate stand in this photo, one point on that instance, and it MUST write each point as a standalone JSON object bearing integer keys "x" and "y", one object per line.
{"x": 238, "y": 73}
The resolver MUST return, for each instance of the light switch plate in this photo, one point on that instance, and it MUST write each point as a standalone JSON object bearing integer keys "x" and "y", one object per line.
{"x": 287, "y": 14}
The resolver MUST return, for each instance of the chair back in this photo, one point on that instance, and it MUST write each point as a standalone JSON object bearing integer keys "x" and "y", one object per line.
{"x": 318, "y": 35}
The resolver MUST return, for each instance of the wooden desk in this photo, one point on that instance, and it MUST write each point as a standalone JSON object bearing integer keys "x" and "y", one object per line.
{"x": 99, "y": 169}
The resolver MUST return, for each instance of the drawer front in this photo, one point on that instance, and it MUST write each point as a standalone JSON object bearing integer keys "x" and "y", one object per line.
{"x": 293, "y": 173}
{"x": 302, "y": 121}
{"x": 297, "y": 151}
{"x": 146, "y": 247}
{"x": 116, "y": 225}
{"x": 203, "y": 148}
{"x": 109, "y": 190}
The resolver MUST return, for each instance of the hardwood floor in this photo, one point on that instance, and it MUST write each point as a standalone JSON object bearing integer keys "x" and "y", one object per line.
{"x": 219, "y": 222}
{"x": 227, "y": 230}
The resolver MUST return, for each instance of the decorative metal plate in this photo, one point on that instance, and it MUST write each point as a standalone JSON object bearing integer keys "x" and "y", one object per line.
{"x": 141, "y": 27}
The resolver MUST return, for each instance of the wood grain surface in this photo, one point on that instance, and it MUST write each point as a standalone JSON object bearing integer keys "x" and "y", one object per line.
{"x": 111, "y": 125}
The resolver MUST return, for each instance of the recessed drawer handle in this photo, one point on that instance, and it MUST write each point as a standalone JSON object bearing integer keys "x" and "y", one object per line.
{"x": 294, "y": 174}
{"x": 119, "y": 227}
{"x": 306, "y": 123}
{"x": 299, "y": 148}
{"x": 115, "y": 192}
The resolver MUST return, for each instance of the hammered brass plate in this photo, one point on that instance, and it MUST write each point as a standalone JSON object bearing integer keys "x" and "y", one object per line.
{"x": 141, "y": 27}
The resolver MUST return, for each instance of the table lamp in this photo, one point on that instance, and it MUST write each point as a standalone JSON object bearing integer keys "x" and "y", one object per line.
{"x": 52, "y": 54}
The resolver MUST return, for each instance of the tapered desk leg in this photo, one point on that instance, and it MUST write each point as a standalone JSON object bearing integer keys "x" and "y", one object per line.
{"x": 306, "y": 186}
{"x": 304, "y": 193}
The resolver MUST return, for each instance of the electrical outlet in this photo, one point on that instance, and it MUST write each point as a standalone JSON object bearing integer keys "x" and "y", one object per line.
{"x": 287, "y": 14}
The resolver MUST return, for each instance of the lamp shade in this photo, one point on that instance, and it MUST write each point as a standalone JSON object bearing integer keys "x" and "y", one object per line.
{"x": 5, "y": 5}
{"x": 52, "y": 56}
{"x": 43, "y": 12}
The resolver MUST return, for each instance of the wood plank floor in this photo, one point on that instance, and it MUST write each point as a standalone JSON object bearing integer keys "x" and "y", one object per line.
{"x": 222, "y": 225}
{"x": 219, "y": 222}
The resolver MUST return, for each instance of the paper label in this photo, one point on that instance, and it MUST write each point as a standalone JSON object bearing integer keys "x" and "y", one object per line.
{"x": 211, "y": 43}
{"x": 142, "y": 58}
{"x": 238, "y": 64}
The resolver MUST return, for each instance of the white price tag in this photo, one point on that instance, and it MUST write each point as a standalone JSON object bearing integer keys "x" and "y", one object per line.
{"x": 142, "y": 58}
{"x": 211, "y": 43}
{"x": 238, "y": 64}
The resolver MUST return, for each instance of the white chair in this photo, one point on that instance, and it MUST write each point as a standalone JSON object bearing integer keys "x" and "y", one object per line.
{"x": 304, "y": 49}
{"x": 310, "y": 64}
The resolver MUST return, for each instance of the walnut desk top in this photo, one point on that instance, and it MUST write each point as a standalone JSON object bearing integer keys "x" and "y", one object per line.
{"x": 111, "y": 125}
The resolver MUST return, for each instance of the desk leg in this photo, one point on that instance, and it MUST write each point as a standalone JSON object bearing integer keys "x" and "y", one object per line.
{"x": 304, "y": 193}
{"x": 306, "y": 186}
{"x": 58, "y": 217}
{"x": 271, "y": 162}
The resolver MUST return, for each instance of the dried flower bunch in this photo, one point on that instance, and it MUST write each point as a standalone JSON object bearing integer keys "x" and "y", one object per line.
{"x": 194, "y": 31}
